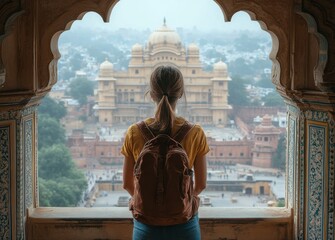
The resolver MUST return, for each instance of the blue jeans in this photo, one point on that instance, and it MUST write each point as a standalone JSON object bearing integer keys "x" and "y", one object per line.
{"x": 185, "y": 231}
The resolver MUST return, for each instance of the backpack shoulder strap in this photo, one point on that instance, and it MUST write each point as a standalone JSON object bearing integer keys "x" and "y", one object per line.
{"x": 183, "y": 131}
{"x": 146, "y": 133}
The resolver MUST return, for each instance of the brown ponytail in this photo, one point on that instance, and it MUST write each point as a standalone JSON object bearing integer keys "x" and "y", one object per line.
{"x": 166, "y": 87}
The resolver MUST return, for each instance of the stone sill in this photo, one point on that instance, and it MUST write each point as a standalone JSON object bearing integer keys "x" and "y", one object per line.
{"x": 221, "y": 214}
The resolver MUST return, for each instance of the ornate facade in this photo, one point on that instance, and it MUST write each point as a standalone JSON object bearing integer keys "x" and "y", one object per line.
{"x": 120, "y": 95}
{"x": 266, "y": 138}
{"x": 97, "y": 152}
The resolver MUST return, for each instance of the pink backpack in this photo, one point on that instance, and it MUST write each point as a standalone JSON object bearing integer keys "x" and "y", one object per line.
{"x": 163, "y": 184}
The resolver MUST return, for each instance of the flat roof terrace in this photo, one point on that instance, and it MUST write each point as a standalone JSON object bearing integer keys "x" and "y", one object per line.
{"x": 114, "y": 134}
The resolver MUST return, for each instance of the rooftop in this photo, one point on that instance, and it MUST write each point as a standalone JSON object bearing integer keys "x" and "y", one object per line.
{"x": 112, "y": 134}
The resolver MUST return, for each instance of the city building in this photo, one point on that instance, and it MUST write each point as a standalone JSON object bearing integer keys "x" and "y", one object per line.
{"x": 266, "y": 138}
{"x": 227, "y": 146}
{"x": 121, "y": 97}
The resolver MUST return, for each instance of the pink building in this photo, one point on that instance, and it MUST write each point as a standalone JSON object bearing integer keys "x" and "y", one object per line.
{"x": 95, "y": 152}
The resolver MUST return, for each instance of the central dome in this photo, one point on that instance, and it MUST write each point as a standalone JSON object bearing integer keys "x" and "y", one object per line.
{"x": 163, "y": 36}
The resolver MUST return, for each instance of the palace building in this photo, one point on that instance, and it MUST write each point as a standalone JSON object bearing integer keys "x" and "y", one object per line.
{"x": 121, "y": 96}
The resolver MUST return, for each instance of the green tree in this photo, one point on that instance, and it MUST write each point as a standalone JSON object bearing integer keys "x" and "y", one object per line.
{"x": 55, "y": 162}
{"x": 256, "y": 103}
{"x": 65, "y": 74}
{"x": 50, "y": 131}
{"x": 212, "y": 53}
{"x": 52, "y": 108}
{"x": 244, "y": 43}
{"x": 241, "y": 66}
{"x": 77, "y": 61}
{"x": 265, "y": 82}
{"x": 65, "y": 192}
{"x": 237, "y": 92}
{"x": 273, "y": 100}
{"x": 80, "y": 89}
{"x": 279, "y": 157}
{"x": 60, "y": 183}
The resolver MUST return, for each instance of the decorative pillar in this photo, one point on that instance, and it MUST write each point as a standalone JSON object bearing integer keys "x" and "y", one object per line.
{"x": 292, "y": 143}
{"x": 310, "y": 172}
{"x": 317, "y": 165}
{"x": 18, "y": 186}
{"x": 29, "y": 33}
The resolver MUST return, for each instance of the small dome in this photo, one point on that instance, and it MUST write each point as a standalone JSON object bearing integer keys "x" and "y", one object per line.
{"x": 106, "y": 68}
{"x": 220, "y": 66}
{"x": 106, "y": 65}
{"x": 137, "y": 48}
{"x": 193, "y": 49}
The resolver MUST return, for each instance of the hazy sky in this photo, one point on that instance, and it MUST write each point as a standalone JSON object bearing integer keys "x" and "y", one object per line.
{"x": 142, "y": 14}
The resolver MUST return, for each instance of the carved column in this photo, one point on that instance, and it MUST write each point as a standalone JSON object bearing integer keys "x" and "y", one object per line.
{"x": 17, "y": 135}
{"x": 292, "y": 170}
{"x": 29, "y": 31}
{"x": 313, "y": 172}
{"x": 313, "y": 87}
{"x": 17, "y": 169}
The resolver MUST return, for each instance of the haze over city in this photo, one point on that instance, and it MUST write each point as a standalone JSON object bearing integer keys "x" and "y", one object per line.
{"x": 99, "y": 93}
{"x": 178, "y": 13}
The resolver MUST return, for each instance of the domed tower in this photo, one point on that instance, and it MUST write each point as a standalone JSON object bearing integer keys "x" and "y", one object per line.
{"x": 206, "y": 91}
{"x": 193, "y": 54}
{"x": 266, "y": 141}
{"x": 220, "y": 69}
{"x": 164, "y": 45}
{"x": 136, "y": 56}
{"x": 105, "y": 95}
{"x": 220, "y": 93}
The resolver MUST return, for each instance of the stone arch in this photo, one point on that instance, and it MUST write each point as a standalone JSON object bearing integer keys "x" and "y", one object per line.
{"x": 274, "y": 26}
{"x": 9, "y": 12}
{"x": 288, "y": 73}
{"x": 62, "y": 21}
{"x": 275, "y": 21}
{"x": 323, "y": 11}
{"x": 279, "y": 54}
{"x": 321, "y": 51}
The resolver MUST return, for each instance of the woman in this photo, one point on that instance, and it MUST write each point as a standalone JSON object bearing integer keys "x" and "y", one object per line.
{"x": 166, "y": 87}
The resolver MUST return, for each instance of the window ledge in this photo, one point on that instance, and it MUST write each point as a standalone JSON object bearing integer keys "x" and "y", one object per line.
{"x": 271, "y": 214}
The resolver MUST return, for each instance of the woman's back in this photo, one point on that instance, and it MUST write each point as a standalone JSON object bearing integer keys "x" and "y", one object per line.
{"x": 194, "y": 143}
{"x": 166, "y": 88}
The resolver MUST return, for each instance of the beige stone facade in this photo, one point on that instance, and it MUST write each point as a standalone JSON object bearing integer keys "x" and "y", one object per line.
{"x": 266, "y": 138}
{"x": 121, "y": 95}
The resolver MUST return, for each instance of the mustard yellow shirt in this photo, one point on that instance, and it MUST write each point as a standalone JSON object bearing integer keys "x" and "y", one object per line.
{"x": 194, "y": 143}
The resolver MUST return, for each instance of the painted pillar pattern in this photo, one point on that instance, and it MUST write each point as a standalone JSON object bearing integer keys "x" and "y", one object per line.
{"x": 318, "y": 177}
{"x": 17, "y": 131}
{"x": 300, "y": 186}
{"x": 5, "y": 183}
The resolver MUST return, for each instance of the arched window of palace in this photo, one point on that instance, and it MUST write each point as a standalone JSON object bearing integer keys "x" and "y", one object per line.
{"x": 103, "y": 76}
